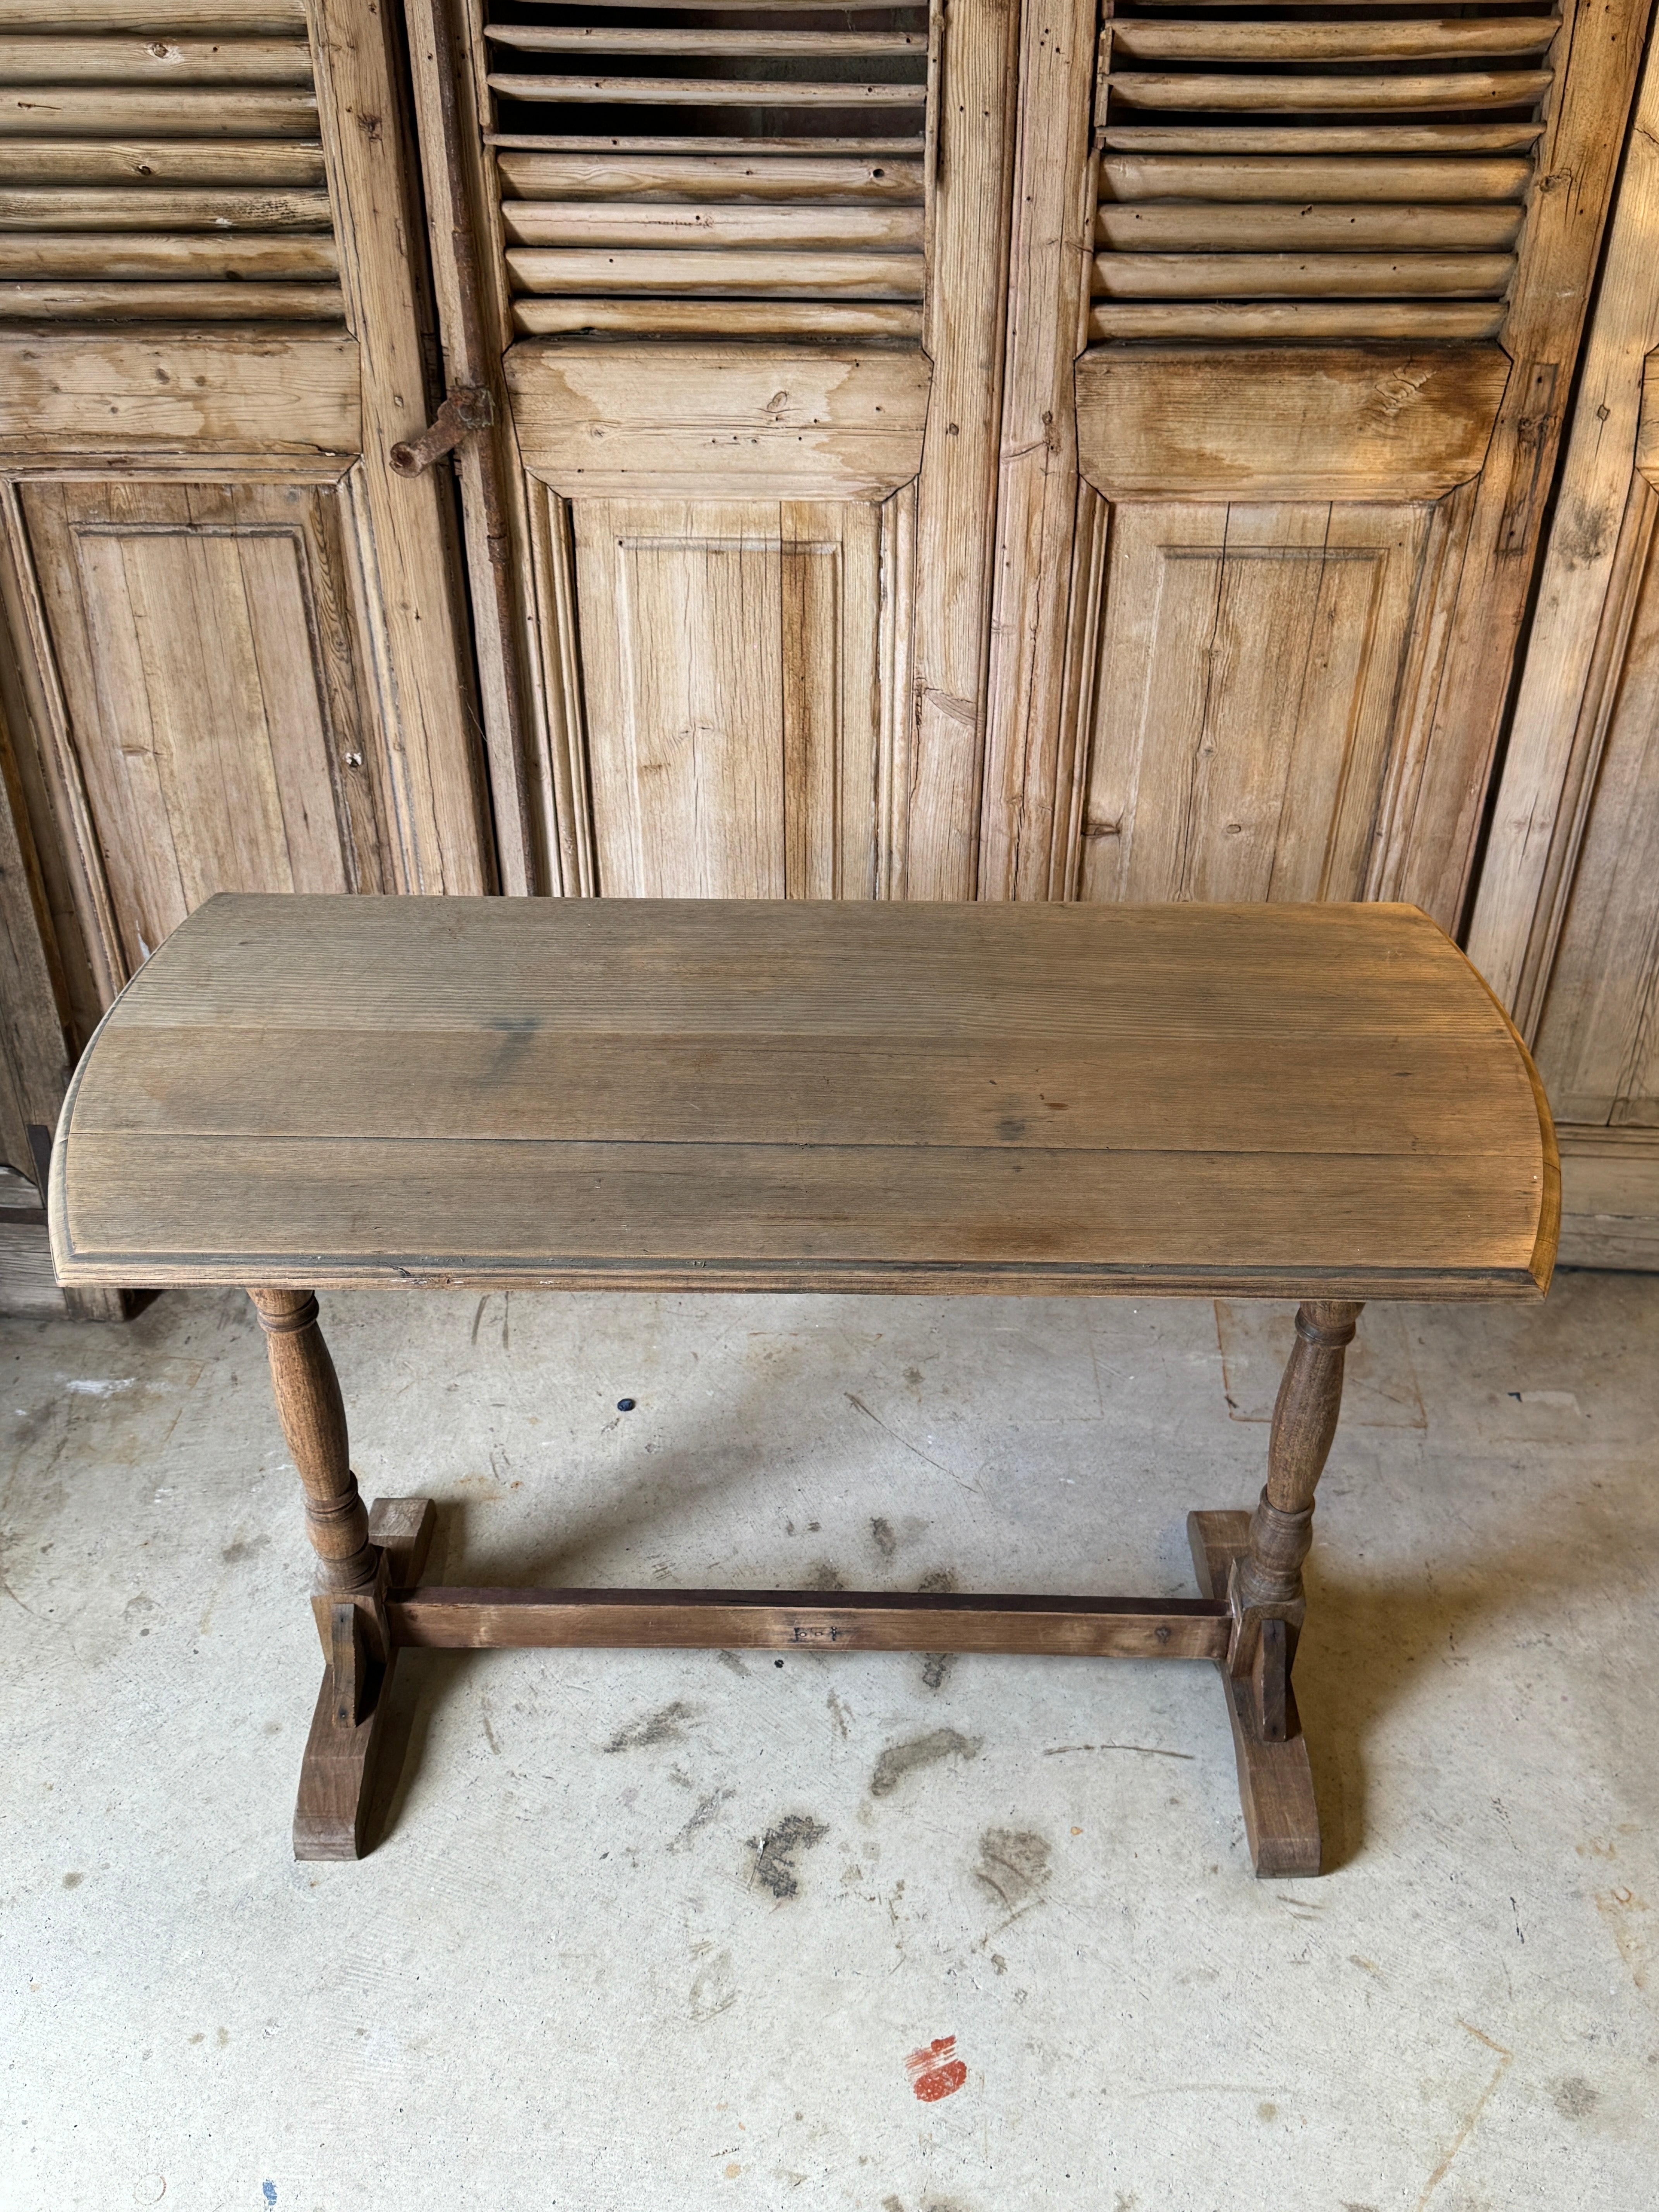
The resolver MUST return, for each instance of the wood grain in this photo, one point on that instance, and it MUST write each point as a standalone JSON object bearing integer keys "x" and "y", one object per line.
{"x": 461, "y": 1619}
{"x": 291, "y": 395}
{"x": 65, "y": 59}
{"x": 1373, "y": 422}
{"x": 1585, "y": 667}
{"x": 1029, "y": 755}
{"x": 762, "y": 179}
{"x": 715, "y": 270}
{"x": 1428, "y": 843}
{"x": 1468, "y": 1212}
{"x": 203, "y": 640}
{"x": 1426, "y": 321}
{"x": 1129, "y": 179}
{"x": 708, "y": 423}
{"x": 718, "y": 317}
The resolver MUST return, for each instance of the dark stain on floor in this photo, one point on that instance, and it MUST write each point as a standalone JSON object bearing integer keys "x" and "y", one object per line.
{"x": 902, "y": 1758}
{"x": 666, "y": 1725}
{"x": 1013, "y": 1864}
{"x": 775, "y": 1853}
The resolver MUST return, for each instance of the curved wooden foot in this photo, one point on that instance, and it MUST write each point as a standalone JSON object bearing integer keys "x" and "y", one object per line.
{"x": 337, "y": 1772}
{"x": 1275, "y": 1782}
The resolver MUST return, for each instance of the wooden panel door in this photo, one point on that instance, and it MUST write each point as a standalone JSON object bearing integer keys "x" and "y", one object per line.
{"x": 734, "y": 281}
{"x": 1291, "y": 335}
{"x": 238, "y": 655}
{"x": 1566, "y": 924}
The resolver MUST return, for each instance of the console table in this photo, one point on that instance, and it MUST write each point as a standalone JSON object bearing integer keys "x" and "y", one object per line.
{"x": 1321, "y": 1104}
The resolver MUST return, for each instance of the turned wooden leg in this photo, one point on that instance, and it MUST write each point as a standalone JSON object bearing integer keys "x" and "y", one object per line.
{"x": 359, "y": 1552}
{"x": 1255, "y": 1561}
{"x": 307, "y": 1395}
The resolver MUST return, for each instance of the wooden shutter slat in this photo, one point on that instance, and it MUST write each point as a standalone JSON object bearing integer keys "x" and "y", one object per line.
{"x": 1279, "y": 94}
{"x": 66, "y": 59}
{"x": 1292, "y": 320}
{"x": 708, "y": 92}
{"x": 874, "y": 276}
{"x": 1508, "y": 137}
{"x": 593, "y": 38}
{"x": 646, "y": 177}
{"x": 1306, "y": 227}
{"x": 718, "y": 319}
{"x": 47, "y": 208}
{"x": 148, "y": 165}
{"x": 52, "y": 301}
{"x": 1129, "y": 177}
{"x": 122, "y": 254}
{"x": 603, "y": 222}
{"x": 129, "y": 112}
{"x": 1290, "y": 276}
{"x": 1433, "y": 41}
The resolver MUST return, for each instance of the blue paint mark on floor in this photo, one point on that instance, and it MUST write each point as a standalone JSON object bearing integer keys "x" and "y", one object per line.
{"x": 268, "y": 2189}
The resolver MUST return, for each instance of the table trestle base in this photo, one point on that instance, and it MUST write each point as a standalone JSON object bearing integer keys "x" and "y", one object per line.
{"x": 371, "y": 1603}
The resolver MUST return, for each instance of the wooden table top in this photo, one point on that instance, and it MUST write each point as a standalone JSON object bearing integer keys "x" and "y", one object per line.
{"x": 1320, "y": 1101}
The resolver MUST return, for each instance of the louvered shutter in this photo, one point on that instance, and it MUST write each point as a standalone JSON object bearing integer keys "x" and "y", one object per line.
{"x": 755, "y": 174}
{"x": 165, "y": 174}
{"x": 1315, "y": 174}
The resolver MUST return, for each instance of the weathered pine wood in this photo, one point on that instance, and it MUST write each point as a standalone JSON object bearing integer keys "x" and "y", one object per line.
{"x": 1394, "y": 422}
{"x": 713, "y": 268}
{"x": 309, "y": 1405}
{"x": 1331, "y": 180}
{"x": 1155, "y": 39}
{"x": 414, "y": 610}
{"x": 699, "y": 421}
{"x": 1430, "y": 836}
{"x": 118, "y": 208}
{"x": 1430, "y": 321}
{"x": 1330, "y": 229}
{"x": 648, "y": 177}
{"x": 1030, "y": 762}
{"x": 1467, "y": 1209}
{"x": 545, "y": 317}
{"x": 652, "y": 144}
{"x": 624, "y": 223}
{"x": 241, "y": 18}
{"x": 596, "y": 38}
{"x": 1593, "y": 575}
{"x": 935, "y": 845}
{"x": 49, "y": 300}
{"x": 1271, "y": 96}
{"x": 74, "y": 58}
{"x": 1508, "y": 136}
{"x": 1151, "y": 275}
{"x": 436, "y": 1619}
{"x": 183, "y": 255}
{"x": 771, "y": 93}
{"x": 203, "y": 637}
{"x": 129, "y": 113}
{"x": 241, "y": 165}
{"x": 78, "y": 390}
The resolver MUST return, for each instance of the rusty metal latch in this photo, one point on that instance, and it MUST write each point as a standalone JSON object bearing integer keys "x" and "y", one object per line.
{"x": 468, "y": 408}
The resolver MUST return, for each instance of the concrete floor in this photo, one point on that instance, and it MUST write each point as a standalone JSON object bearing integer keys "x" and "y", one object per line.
{"x": 661, "y": 1930}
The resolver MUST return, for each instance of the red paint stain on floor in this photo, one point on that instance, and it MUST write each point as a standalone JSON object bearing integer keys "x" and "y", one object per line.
{"x": 935, "y": 2071}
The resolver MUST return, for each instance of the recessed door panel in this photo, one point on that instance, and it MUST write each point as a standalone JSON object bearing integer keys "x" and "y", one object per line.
{"x": 205, "y": 644}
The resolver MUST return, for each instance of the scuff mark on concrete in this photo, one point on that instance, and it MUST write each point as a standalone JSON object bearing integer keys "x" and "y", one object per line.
{"x": 902, "y": 1758}
{"x": 666, "y": 1725}
{"x": 775, "y": 1853}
